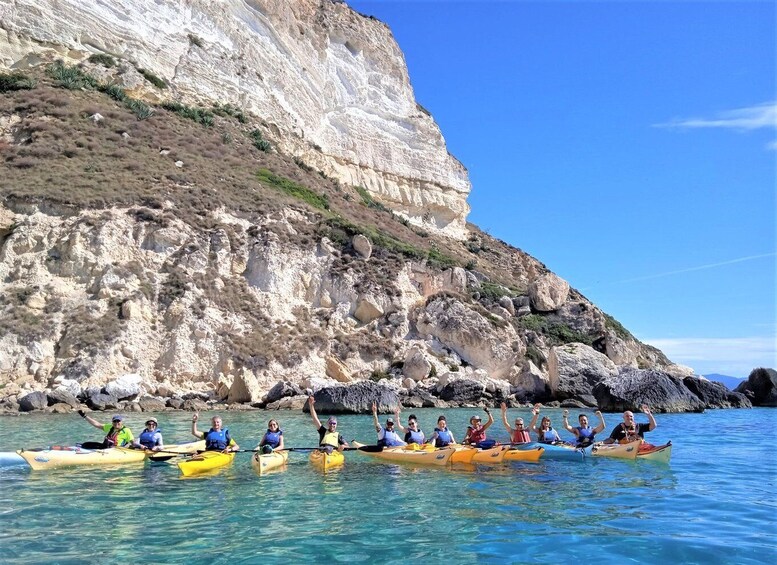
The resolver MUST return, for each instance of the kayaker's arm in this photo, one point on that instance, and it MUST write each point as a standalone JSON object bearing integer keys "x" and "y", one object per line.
{"x": 375, "y": 417}
{"x": 505, "y": 423}
{"x": 535, "y": 414}
{"x": 316, "y": 421}
{"x": 432, "y": 439}
{"x": 489, "y": 421}
{"x": 398, "y": 421}
{"x": 93, "y": 422}
{"x": 649, "y": 414}
{"x": 600, "y": 427}
{"x": 280, "y": 444}
{"x": 565, "y": 422}
{"x": 195, "y": 433}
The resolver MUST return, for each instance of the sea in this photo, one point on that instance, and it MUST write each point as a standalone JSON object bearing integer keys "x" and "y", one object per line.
{"x": 714, "y": 502}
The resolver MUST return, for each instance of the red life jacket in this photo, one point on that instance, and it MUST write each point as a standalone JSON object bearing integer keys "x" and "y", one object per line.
{"x": 521, "y": 436}
{"x": 476, "y": 434}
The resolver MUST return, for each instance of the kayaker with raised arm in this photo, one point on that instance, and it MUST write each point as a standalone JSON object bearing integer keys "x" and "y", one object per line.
{"x": 151, "y": 437}
{"x": 442, "y": 436}
{"x": 519, "y": 434}
{"x": 273, "y": 437}
{"x": 545, "y": 433}
{"x": 476, "y": 433}
{"x": 327, "y": 436}
{"x": 584, "y": 434}
{"x": 628, "y": 430}
{"x": 387, "y": 437}
{"x": 217, "y": 438}
{"x": 116, "y": 434}
{"x": 413, "y": 433}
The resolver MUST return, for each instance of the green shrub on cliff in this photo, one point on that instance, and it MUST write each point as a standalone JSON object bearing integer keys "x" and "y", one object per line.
{"x": 15, "y": 81}
{"x": 291, "y": 188}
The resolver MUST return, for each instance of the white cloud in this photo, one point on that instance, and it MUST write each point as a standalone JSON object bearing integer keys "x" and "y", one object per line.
{"x": 728, "y": 356}
{"x": 754, "y": 117}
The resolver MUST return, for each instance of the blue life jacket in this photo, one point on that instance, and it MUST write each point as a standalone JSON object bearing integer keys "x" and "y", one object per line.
{"x": 273, "y": 439}
{"x": 585, "y": 437}
{"x": 390, "y": 439}
{"x": 150, "y": 438}
{"x": 217, "y": 441}
{"x": 414, "y": 437}
{"x": 444, "y": 437}
{"x": 548, "y": 436}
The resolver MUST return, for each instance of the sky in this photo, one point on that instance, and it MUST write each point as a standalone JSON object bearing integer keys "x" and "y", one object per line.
{"x": 629, "y": 146}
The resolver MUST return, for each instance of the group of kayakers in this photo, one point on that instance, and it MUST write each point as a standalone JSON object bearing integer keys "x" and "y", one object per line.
{"x": 218, "y": 438}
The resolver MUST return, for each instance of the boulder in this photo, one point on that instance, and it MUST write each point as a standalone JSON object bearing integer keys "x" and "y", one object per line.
{"x": 102, "y": 401}
{"x": 175, "y": 403}
{"x": 631, "y": 388}
{"x": 529, "y": 382}
{"x": 62, "y": 396}
{"x": 151, "y": 404}
{"x": 362, "y": 245}
{"x": 245, "y": 388}
{"x": 355, "y": 399}
{"x": 126, "y": 386}
{"x": 462, "y": 390}
{"x": 368, "y": 309}
{"x": 194, "y": 405}
{"x": 416, "y": 366}
{"x": 760, "y": 387}
{"x": 575, "y": 368}
{"x": 282, "y": 389}
{"x": 336, "y": 370}
{"x": 33, "y": 401}
{"x": 60, "y": 408}
{"x": 715, "y": 395}
{"x": 288, "y": 403}
{"x": 548, "y": 292}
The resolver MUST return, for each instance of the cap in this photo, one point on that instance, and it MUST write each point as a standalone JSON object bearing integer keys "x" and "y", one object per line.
{"x": 331, "y": 420}
{"x": 117, "y": 418}
{"x": 152, "y": 420}
{"x": 478, "y": 418}
{"x": 389, "y": 420}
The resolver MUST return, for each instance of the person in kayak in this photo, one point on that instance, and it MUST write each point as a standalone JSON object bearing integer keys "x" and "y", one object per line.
{"x": 328, "y": 436}
{"x": 584, "y": 434}
{"x": 545, "y": 433}
{"x": 151, "y": 437}
{"x": 442, "y": 436}
{"x": 116, "y": 434}
{"x": 273, "y": 438}
{"x": 628, "y": 430}
{"x": 476, "y": 433}
{"x": 413, "y": 433}
{"x": 387, "y": 437}
{"x": 217, "y": 438}
{"x": 519, "y": 434}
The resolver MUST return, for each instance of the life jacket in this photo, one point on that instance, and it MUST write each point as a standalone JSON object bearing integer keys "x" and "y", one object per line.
{"x": 390, "y": 439}
{"x": 414, "y": 437}
{"x": 476, "y": 435}
{"x": 548, "y": 436}
{"x": 585, "y": 436}
{"x": 217, "y": 440}
{"x": 521, "y": 436}
{"x": 330, "y": 438}
{"x": 628, "y": 438}
{"x": 444, "y": 437}
{"x": 150, "y": 438}
{"x": 273, "y": 439}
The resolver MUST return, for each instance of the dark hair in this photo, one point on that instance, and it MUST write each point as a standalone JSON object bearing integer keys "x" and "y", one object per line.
{"x": 412, "y": 417}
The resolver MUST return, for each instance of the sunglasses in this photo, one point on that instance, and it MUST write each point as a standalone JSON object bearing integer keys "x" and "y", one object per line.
{"x": 151, "y": 423}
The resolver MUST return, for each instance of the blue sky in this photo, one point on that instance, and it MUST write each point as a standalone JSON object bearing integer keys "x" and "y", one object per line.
{"x": 629, "y": 146}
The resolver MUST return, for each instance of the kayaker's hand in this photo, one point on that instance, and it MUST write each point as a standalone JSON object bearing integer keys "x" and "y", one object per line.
{"x": 82, "y": 413}
{"x": 645, "y": 409}
{"x": 488, "y": 410}
{"x": 374, "y": 407}
{"x": 598, "y": 413}
{"x": 566, "y": 414}
{"x": 194, "y": 417}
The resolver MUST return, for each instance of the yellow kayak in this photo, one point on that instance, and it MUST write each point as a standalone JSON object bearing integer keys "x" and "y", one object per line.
{"x": 463, "y": 453}
{"x": 170, "y": 451}
{"x": 203, "y": 462}
{"x": 532, "y": 455}
{"x": 41, "y": 459}
{"x": 616, "y": 451}
{"x": 401, "y": 455}
{"x": 263, "y": 462}
{"x": 469, "y": 454}
{"x": 324, "y": 461}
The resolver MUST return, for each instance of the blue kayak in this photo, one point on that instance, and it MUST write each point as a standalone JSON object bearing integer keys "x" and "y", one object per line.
{"x": 10, "y": 459}
{"x": 557, "y": 451}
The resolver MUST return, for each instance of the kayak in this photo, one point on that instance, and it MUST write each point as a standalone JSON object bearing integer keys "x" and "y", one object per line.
{"x": 658, "y": 453}
{"x": 532, "y": 455}
{"x": 615, "y": 450}
{"x": 555, "y": 451}
{"x": 206, "y": 461}
{"x": 263, "y": 462}
{"x": 170, "y": 451}
{"x": 402, "y": 455}
{"x": 462, "y": 454}
{"x": 324, "y": 461}
{"x": 40, "y": 459}
{"x": 417, "y": 447}
{"x": 469, "y": 454}
{"x": 10, "y": 459}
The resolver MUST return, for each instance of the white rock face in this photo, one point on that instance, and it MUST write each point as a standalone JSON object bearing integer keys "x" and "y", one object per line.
{"x": 548, "y": 292}
{"x": 332, "y": 83}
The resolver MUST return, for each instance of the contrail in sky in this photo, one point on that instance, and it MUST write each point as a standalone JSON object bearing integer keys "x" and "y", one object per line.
{"x": 691, "y": 269}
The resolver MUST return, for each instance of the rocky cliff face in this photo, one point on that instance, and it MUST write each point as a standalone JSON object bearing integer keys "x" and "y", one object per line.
{"x": 332, "y": 84}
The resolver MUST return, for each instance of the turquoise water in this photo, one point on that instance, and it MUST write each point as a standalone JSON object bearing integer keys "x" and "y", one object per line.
{"x": 714, "y": 503}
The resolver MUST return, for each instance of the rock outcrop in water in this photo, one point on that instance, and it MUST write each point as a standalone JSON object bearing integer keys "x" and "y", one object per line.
{"x": 760, "y": 387}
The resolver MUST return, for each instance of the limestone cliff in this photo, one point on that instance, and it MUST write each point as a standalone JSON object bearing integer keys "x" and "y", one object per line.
{"x": 331, "y": 84}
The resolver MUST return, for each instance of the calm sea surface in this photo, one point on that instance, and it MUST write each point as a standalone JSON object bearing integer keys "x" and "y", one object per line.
{"x": 716, "y": 502}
